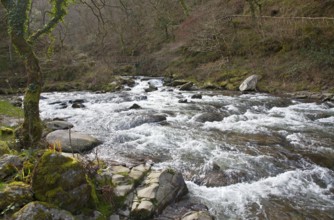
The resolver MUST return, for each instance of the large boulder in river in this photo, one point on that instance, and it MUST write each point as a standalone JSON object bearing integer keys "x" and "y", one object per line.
{"x": 72, "y": 141}
{"x": 159, "y": 189}
{"x": 61, "y": 180}
{"x": 249, "y": 84}
{"x": 42, "y": 210}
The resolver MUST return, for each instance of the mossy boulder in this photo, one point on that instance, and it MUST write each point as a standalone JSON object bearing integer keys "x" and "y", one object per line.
{"x": 6, "y": 131}
{"x": 41, "y": 210}
{"x": 14, "y": 196}
{"x": 9, "y": 164}
{"x": 62, "y": 181}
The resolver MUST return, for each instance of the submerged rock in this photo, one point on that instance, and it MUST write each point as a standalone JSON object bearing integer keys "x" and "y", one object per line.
{"x": 249, "y": 84}
{"x": 72, "y": 141}
{"x": 41, "y": 210}
{"x": 15, "y": 195}
{"x": 61, "y": 180}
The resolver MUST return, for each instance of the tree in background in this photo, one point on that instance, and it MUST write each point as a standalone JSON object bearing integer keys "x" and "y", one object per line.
{"x": 30, "y": 132}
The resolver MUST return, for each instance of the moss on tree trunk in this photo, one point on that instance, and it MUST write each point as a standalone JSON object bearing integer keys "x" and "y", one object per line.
{"x": 31, "y": 131}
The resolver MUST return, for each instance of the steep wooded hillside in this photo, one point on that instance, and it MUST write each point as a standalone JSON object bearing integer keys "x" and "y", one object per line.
{"x": 215, "y": 43}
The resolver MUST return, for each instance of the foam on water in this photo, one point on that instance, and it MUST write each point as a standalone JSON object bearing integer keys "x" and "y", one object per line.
{"x": 233, "y": 201}
{"x": 262, "y": 138}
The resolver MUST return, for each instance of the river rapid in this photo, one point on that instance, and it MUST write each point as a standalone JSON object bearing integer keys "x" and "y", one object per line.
{"x": 245, "y": 156}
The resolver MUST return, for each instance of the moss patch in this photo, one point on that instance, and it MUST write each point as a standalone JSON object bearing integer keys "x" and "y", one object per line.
{"x": 8, "y": 109}
{"x": 62, "y": 181}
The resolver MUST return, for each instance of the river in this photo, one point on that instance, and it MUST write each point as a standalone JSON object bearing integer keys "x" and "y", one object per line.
{"x": 245, "y": 156}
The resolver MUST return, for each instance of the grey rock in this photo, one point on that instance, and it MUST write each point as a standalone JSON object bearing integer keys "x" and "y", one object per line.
{"x": 9, "y": 165}
{"x": 72, "y": 141}
{"x": 201, "y": 215}
{"x": 59, "y": 125}
{"x": 114, "y": 217}
{"x": 196, "y": 96}
{"x": 162, "y": 187}
{"x": 209, "y": 116}
{"x": 78, "y": 105}
{"x": 135, "y": 106}
{"x": 183, "y": 101}
{"x": 148, "y": 192}
{"x": 249, "y": 84}
{"x": 120, "y": 169}
{"x": 187, "y": 86}
{"x": 123, "y": 190}
{"x": 151, "y": 87}
{"x": 39, "y": 210}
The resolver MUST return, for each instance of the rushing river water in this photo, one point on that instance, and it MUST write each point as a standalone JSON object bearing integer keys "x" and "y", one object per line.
{"x": 251, "y": 156}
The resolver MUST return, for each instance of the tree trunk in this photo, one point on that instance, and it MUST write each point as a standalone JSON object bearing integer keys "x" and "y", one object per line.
{"x": 31, "y": 131}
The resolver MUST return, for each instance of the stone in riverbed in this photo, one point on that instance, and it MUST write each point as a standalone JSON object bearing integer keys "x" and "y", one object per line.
{"x": 249, "y": 84}
{"x": 210, "y": 117}
{"x": 160, "y": 189}
{"x": 72, "y": 141}
{"x": 135, "y": 106}
{"x": 196, "y": 96}
{"x": 201, "y": 215}
{"x": 187, "y": 86}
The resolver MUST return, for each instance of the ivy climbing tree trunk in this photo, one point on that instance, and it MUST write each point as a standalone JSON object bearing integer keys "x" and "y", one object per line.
{"x": 18, "y": 18}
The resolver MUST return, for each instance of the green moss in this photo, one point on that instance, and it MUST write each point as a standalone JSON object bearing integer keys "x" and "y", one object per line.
{"x": 4, "y": 149}
{"x": 62, "y": 181}
{"x": 93, "y": 192}
{"x": 8, "y": 109}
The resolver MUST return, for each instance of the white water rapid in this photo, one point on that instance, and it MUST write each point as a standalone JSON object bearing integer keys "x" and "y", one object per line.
{"x": 251, "y": 156}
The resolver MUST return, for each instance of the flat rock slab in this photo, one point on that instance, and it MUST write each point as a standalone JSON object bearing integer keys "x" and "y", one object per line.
{"x": 72, "y": 141}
